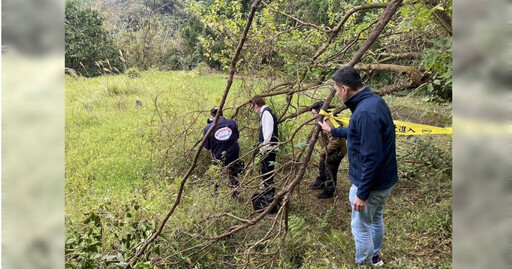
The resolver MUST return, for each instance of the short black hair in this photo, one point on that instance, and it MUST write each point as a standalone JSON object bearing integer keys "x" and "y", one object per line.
{"x": 317, "y": 106}
{"x": 214, "y": 112}
{"x": 348, "y": 76}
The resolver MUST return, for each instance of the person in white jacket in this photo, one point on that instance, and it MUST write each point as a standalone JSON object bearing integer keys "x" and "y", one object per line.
{"x": 268, "y": 139}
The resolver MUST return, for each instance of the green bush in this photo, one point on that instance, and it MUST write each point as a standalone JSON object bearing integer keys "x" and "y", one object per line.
{"x": 203, "y": 69}
{"x": 89, "y": 50}
{"x": 438, "y": 61}
{"x": 133, "y": 72}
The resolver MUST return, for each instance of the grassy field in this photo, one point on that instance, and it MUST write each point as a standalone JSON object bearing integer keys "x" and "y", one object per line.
{"x": 124, "y": 162}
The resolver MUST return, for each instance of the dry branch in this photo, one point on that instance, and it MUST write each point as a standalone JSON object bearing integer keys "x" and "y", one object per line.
{"x": 393, "y": 88}
{"x": 416, "y": 77}
{"x": 319, "y": 28}
{"x": 334, "y": 32}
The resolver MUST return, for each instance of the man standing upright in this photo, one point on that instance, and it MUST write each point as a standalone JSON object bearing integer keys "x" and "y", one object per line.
{"x": 223, "y": 143}
{"x": 372, "y": 161}
{"x": 268, "y": 139}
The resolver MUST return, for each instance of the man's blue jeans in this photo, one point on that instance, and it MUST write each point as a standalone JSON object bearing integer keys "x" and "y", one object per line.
{"x": 368, "y": 225}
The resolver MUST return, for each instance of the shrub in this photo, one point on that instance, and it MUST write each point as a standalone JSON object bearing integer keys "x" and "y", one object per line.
{"x": 89, "y": 50}
{"x": 133, "y": 72}
{"x": 203, "y": 69}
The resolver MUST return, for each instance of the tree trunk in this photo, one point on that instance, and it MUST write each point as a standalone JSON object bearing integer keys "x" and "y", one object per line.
{"x": 440, "y": 16}
{"x": 416, "y": 77}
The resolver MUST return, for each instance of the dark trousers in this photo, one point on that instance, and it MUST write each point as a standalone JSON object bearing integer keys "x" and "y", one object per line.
{"x": 328, "y": 171}
{"x": 267, "y": 165}
{"x": 233, "y": 171}
{"x": 233, "y": 176}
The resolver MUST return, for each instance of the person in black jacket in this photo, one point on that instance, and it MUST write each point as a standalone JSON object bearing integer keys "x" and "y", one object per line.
{"x": 223, "y": 143}
{"x": 372, "y": 161}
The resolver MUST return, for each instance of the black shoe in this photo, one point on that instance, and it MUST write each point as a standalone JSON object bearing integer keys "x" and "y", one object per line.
{"x": 317, "y": 185}
{"x": 235, "y": 194}
{"x": 325, "y": 195}
{"x": 377, "y": 261}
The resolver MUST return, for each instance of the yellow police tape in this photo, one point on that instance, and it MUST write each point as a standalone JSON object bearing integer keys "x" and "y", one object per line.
{"x": 401, "y": 127}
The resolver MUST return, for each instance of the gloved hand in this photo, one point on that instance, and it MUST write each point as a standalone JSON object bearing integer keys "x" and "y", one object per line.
{"x": 334, "y": 157}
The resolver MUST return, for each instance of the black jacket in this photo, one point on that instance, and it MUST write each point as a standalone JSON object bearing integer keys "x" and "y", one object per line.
{"x": 223, "y": 139}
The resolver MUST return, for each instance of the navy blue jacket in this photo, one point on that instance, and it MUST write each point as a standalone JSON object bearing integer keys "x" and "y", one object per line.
{"x": 371, "y": 143}
{"x": 223, "y": 139}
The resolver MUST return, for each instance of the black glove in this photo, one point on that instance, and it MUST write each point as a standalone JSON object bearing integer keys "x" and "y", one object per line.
{"x": 334, "y": 157}
{"x": 240, "y": 166}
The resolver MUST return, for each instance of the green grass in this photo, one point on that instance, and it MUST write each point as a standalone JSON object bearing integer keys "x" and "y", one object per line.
{"x": 108, "y": 148}
{"x": 116, "y": 157}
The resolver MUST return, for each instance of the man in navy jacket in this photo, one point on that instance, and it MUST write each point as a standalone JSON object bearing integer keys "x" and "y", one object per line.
{"x": 372, "y": 161}
{"x": 223, "y": 143}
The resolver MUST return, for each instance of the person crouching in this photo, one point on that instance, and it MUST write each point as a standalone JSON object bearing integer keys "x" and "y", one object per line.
{"x": 223, "y": 144}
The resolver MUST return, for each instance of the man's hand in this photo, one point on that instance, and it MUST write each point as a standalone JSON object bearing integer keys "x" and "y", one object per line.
{"x": 325, "y": 126}
{"x": 359, "y": 204}
{"x": 263, "y": 149}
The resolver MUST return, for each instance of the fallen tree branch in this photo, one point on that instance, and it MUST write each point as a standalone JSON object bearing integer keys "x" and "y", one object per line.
{"x": 383, "y": 20}
{"x": 416, "y": 77}
{"x": 393, "y": 88}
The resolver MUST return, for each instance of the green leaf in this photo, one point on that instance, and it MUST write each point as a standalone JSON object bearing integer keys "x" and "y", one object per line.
{"x": 301, "y": 144}
{"x": 430, "y": 88}
{"x": 93, "y": 247}
{"x": 120, "y": 257}
{"x": 109, "y": 258}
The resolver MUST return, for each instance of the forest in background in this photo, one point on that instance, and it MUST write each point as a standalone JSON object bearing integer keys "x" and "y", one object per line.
{"x": 413, "y": 52}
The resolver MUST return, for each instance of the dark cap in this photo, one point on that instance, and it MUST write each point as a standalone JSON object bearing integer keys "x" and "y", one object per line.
{"x": 214, "y": 111}
{"x": 317, "y": 106}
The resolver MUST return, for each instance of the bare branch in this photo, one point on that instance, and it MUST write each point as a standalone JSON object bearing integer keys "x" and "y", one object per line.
{"x": 319, "y": 28}
{"x": 383, "y": 20}
{"x": 334, "y": 32}
{"x": 393, "y": 88}
{"x": 411, "y": 72}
